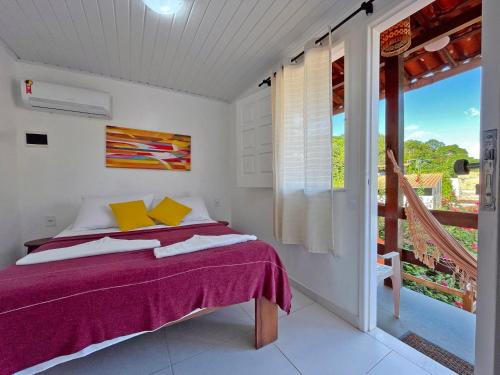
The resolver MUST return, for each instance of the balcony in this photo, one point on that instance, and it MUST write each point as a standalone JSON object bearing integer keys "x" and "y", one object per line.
{"x": 445, "y": 325}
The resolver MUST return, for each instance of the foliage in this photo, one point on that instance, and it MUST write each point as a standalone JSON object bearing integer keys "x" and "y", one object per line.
{"x": 435, "y": 276}
{"x": 338, "y": 152}
{"x": 434, "y": 156}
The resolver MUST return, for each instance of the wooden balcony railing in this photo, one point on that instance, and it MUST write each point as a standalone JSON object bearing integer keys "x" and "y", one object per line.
{"x": 455, "y": 219}
{"x": 451, "y": 218}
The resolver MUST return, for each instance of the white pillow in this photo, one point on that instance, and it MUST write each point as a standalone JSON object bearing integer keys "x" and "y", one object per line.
{"x": 95, "y": 212}
{"x": 197, "y": 204}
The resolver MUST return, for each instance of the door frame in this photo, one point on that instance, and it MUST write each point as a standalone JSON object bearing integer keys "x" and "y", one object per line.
{"x": 368, "y": 282}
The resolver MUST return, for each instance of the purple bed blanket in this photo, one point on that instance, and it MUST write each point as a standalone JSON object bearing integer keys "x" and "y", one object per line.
{"x": 58, "y": 308}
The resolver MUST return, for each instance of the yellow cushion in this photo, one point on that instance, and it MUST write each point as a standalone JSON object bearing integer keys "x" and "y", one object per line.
{"x": 131, "y": 215}
{"x": 169, "y": 212}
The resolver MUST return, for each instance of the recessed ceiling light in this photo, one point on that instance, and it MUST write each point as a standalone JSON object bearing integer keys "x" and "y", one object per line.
{"x": 164, "y": 6}
{"x": 437, "y": 44}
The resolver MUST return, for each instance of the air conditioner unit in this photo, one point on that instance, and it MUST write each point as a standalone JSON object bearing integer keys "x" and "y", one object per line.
{"x": 51, "y": 97}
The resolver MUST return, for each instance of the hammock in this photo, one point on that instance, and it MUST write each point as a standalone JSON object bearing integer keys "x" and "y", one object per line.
{"x": 432, "y": 243}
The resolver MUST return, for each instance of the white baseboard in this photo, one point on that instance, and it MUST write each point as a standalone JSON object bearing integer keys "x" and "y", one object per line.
{"x": 330, "y": 306}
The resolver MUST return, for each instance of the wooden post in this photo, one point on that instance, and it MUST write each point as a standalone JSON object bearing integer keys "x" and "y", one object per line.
{"x": 468, "y": 300}
{"x": 266, "y": 322}
{"x": 394, "y": 122}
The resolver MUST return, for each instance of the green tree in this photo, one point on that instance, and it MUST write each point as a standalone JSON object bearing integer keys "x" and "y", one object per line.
{"x": 338, "y": 157}
{"x": 434, "y": 156}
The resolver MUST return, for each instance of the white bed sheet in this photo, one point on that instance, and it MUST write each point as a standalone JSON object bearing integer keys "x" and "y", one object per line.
{"x": 69, "y": 232}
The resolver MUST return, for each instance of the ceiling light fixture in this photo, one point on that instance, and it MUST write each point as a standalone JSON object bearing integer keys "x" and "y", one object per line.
{"x": 164, "y": 6}
{"x": 437, "y": 44}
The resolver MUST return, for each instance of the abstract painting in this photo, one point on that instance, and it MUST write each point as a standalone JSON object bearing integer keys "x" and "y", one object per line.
{"x": 144, "y": 149}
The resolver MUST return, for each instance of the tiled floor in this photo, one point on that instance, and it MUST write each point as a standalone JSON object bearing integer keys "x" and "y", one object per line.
{"x": 311, "y": 341}
{"x": 449, "y": 327}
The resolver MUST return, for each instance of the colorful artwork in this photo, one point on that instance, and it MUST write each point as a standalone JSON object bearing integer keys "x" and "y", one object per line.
{"x": 144, "y": 149}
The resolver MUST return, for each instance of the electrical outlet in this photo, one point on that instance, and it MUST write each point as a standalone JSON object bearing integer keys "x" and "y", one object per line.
{"x": 50, "y": 221}
{"x": 217, "y": 202}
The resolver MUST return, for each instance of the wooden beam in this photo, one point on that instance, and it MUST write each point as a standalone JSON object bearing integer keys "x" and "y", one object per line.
{"x": 337, "y": 99}
{"x": 266, "y": 322}
{"x": 453, "y": 41}
{"x": 458, "y": 23}
{"x": 394, "y": 115}
{"x": 431, "y": 284}
{"x": 447, "y": 57}
{"x": 440, "y": 75}
{"x": 452, "y": 218}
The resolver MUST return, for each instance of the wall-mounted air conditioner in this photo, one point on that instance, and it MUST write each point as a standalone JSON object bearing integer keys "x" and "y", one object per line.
{"x": 51, "y": 97}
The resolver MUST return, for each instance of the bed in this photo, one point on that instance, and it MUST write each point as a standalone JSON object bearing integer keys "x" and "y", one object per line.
{"x": 53, "y": 312}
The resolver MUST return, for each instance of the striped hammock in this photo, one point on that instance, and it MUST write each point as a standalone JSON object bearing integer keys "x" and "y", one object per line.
{"x": 432, "y": 244}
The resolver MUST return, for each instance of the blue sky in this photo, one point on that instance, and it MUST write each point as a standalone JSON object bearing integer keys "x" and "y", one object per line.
{"x": 447, "y": 110}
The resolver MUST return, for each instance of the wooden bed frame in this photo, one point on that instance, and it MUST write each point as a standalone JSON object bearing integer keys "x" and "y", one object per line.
{"x": 266, "y": 321}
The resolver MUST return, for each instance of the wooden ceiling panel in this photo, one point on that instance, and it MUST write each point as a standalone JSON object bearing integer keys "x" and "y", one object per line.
{"x": 214, "y": 48}
{"x": 458, "y": 19}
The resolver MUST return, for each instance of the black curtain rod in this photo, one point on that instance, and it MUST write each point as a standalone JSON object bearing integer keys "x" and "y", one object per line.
{"x": 366, "y": 6}
{"x": 266, "y": 81}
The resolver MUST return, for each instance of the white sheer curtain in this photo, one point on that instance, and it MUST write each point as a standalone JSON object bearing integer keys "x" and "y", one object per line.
{"x": 302, "y": 128}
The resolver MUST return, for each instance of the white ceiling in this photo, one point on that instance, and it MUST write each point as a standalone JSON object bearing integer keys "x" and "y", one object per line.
{"x": 215, "y": 48}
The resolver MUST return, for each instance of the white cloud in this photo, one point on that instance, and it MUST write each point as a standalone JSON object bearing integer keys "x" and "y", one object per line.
{"x": 472, "y": 112}
{"x": 412, "y": 127}
{"x": 419, "y": 134}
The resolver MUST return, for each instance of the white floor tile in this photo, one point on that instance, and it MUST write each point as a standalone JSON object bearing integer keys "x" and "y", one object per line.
{"x": 318, "y": 342}
{"x": 395, "y": 364}
{"x": 219, "y": 326}
{"x": 311, "y": 340}
{"x": 165, "y": 371}
{"x": 182, "y": 346}
{"x": 140, "y": 355}
{"x": 410, "y": 353}
{"x": 237, "y": 357}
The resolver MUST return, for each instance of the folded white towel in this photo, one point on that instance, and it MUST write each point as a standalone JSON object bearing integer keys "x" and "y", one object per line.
{"x": 105, "y": 245}
{"x": 197, "y": 243}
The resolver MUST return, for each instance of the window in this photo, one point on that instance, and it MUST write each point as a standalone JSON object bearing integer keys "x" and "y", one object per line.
{"x": 338, "y": 123}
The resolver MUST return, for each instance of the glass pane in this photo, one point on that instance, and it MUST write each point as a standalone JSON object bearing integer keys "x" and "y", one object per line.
{"x": 338, "y": 125}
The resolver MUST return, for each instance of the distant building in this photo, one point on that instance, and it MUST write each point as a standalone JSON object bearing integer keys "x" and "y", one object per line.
{"x": 428, "y": 187}
{"x": 465, "y": 188}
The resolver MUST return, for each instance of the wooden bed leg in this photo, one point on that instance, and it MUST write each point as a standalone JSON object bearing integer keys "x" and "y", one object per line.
{"x": 266, "y": 322}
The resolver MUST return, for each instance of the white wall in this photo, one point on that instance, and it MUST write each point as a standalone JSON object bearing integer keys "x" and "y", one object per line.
{"x": 10, "y": 244}
{"x": 334, "y": 279}
{"x": 52, "y": 180}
